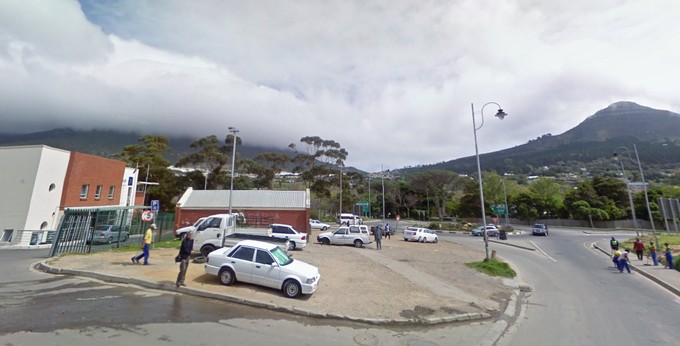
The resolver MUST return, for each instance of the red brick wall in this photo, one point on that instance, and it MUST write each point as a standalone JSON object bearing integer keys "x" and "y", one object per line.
{"x": 92, "y": 170}
{"x": 299, "y": 219}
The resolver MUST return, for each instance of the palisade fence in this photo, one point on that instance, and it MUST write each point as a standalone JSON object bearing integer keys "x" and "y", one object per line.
{"x": 75, "y": 232}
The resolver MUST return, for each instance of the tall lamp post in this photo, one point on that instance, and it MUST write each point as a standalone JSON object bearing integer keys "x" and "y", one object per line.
{"x": 630, "y": 196}
{"x": 233, "y": 132}
{"x": 644, "y": 188}
{"x": 500, "y": 114}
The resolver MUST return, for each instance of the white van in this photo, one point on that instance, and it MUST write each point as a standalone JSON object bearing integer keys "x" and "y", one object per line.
{"x": 349, "y": 219}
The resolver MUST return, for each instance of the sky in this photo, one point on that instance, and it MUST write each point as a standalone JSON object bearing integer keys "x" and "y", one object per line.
{"x": 392, "y": 81}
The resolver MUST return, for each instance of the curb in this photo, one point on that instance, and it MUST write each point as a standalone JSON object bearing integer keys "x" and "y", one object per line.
{"x": 471, "y": 316}
{"x": 659, "y": 281}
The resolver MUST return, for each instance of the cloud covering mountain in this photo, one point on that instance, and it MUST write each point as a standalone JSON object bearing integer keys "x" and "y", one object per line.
{"x": 392, "y": 81}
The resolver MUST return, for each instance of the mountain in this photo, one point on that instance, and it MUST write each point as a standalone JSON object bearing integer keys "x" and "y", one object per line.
{"x": 106, "y": 143}
{"x": 588, "y": 146}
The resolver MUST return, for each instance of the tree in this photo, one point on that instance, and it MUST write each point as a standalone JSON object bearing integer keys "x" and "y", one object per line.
{"x": 548, "y": 196}
{"x": 439, "y": 186}
{"x": 213, "y": 156}
{"x": 265, "y": 166}
{"x": 153, "y": 168}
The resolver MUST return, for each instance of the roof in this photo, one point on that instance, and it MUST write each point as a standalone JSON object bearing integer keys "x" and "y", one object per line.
{"x": 244, "y": 199}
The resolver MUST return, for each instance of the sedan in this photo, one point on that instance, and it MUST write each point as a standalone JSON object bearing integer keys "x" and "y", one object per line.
{"x": 422, "y": 235}
{"x": 107, "y": 234}
{"x": 263, "y": 264}
{"x": 539, "y": 229}
{"x": 316, "y": 224}
{"x": 491, "y": 231}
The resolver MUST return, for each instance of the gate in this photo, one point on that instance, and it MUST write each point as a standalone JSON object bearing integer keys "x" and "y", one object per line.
{"x": 86, "y": 230}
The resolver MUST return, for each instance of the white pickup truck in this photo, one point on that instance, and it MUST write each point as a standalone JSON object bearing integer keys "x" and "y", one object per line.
{"x": 219, "y": 230}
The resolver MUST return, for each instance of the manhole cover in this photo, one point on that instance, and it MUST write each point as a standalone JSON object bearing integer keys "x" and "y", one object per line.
{"x": 366, "y": 339}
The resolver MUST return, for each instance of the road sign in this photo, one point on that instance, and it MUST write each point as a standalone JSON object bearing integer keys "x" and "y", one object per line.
{"x": 155, "y": 206}
{"x": 499, "y": 209}
{"x": 147, "y": 216}
{"x": 363, "y": 204}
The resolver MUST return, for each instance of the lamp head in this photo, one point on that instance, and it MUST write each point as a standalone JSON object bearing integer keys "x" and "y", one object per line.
{"x": 501, "y": 114}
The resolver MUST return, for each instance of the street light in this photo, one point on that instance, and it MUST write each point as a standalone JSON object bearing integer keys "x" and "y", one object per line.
{"x": 233, "y": 132}
{"x": 644, "y": 187}
{"x": 630, "y": 196}
{"x": 500, "y": 114}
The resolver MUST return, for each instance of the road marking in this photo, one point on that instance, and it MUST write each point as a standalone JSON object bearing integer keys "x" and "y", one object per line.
{"x": 543, "y": 252}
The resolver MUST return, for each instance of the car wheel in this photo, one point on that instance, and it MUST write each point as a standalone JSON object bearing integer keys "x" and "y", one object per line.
{"x": 325, "y": 241}
{"x": 227, "y": 276}
{"x": 291, "y": 245}
{"x": 110, "y": 240}
{"x": 436, "y": 240}
{"x": 127, "y": 236}
{"x": 324, "y": 228}
{"x": 206, "y": 250}
{"x": 291, "y": 289}
{"x": 358, "y": 243}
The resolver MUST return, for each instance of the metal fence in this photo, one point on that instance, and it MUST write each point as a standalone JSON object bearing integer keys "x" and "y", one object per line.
{"x": 79, "y": 229}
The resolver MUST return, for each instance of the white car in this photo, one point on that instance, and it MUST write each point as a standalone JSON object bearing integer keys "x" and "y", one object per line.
{"x": 422, "y": 235}
{"x": 263, "y": 264}
{"x": 181, "y": 231}
{"x": 316, "y": 224}
{"x": 352, "y": 235}
{"x": 491, "y": 231}
{"x": 296, "y": 240}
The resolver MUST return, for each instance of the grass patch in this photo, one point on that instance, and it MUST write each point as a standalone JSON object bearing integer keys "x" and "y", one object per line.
{"x": 672, "y": 239}
{"x": 493, "y": 267}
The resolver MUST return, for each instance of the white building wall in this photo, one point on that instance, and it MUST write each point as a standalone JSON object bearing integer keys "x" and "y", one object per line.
{"x": 129, "y": 186}
{"x": 48, "y": 189}
{"x": 19, "y": 184}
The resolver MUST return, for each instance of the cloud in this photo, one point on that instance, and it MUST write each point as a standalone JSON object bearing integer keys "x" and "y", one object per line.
{"x": 392, "y": 81}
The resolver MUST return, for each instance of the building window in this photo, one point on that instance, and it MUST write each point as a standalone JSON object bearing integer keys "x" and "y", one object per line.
{"x": 112, "y": 191}
{"x": 98, "y": 192}
{"x": 52, "y": 186}
{"x": 84, "y": 190}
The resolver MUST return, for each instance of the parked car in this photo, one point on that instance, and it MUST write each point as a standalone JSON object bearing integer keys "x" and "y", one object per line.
{"x": 107, "y": 234}
{"x": 422, "y": 235}
{"x": 491, "y": 231}
{"x": 263, "y": 264}
{"x": 539, "y": 229}
{"x": 182, "y": 231}
{"x": 316, "y": 224}
{"x": 344, "y": 235}
{"x": 296, "y": 240}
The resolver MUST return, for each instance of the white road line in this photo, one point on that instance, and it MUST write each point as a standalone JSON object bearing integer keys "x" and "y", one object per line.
{"x": 543, "y": 252}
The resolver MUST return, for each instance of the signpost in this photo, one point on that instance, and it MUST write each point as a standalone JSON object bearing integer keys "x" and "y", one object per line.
{"x": 364, "y": 206}
{"x": 499, "y": 209}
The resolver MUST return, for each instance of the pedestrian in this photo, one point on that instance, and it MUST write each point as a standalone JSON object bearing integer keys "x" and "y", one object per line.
{"x": 378, "y": 238}
{"x": 652, "y": 253}
{"x": 184, "y": 255}
{"x": 615, "y": 258}
{"x": 614, "y": 244}
{"x": 623, "y": 261}
{"x": 387, "y": 231}
{"x": 148, "y": 237}
{"x": 669, "y": 256}
{"x": 639, "y": 248}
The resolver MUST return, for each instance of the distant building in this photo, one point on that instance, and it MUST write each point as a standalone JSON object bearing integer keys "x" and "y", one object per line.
{"x": 259, "y": 207}
{"x": 39, "y": 182}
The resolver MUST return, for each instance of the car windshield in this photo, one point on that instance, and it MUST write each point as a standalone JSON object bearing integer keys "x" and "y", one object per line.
{"x": 281, "y": 257}
{"x": 539, "y": 226}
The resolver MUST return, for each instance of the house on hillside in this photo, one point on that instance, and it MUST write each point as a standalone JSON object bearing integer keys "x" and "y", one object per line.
{"x": 259, "y": 207}
{"x": 39, "y": 182}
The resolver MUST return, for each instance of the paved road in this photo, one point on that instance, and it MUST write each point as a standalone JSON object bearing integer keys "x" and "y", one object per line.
{"x": 579, "y": 299}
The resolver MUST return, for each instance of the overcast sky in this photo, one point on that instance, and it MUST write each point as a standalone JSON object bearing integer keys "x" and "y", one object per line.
{"x": 392, "y": 81}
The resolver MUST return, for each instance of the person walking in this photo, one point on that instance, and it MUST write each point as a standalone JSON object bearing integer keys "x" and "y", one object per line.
{"x": 639, "y": 248}
{"x": 614, "y": 244}
{"x": 623, "y": 261}
{"x": 387, "y": 231}
{"x": 378, "y": 238}
{"x": 652, "y": 253}
{"x": 669, "y": 256}
{"x": 616, "y": 257}
{"x": 184, "y": 255}
{"x": 148, "y": 237}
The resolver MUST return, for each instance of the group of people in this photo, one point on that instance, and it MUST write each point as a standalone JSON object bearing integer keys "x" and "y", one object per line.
{"x": 621, "y": 259}
{"x": 184, "y": 253}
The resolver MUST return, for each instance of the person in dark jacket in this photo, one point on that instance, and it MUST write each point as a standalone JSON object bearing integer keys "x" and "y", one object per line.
{"x": 184, "y": 254}
{"x": 378, "y": 238}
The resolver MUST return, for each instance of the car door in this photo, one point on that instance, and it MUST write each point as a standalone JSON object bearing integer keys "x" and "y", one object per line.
{"x": 242, "y": 260}
{"x": 211, "y": 228}
{"x": 340, "y": 236}
{"x": 263, "y": 272}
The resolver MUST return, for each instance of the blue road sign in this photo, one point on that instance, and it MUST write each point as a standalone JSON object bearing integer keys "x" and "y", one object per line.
{"x": 155, "y": 206}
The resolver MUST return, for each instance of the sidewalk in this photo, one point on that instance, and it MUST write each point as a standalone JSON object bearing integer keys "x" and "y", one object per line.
{"x": 666, "y": 278}
{"x": 405, "y": 283}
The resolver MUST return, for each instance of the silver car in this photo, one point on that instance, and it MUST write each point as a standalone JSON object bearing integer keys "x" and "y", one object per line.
{"x": 107, "y": 234}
